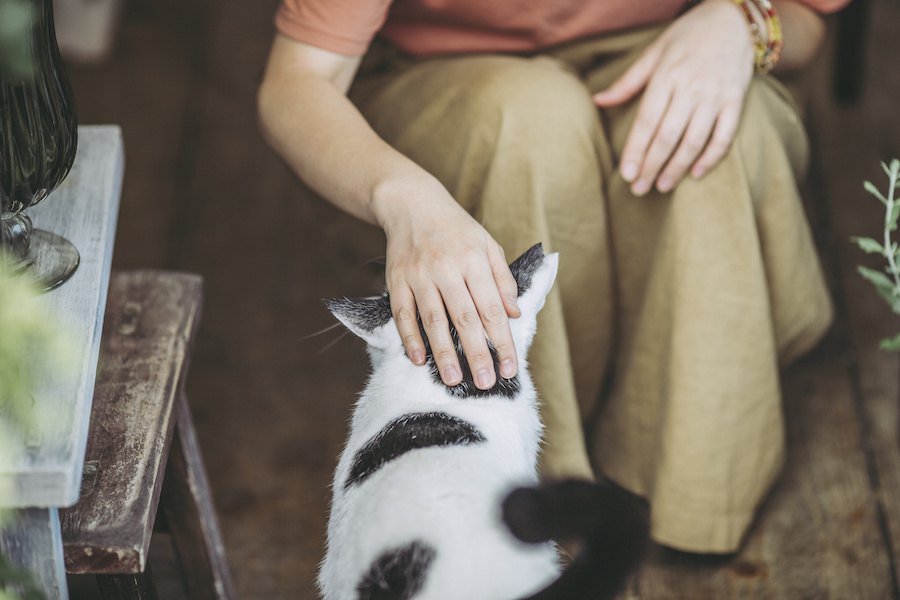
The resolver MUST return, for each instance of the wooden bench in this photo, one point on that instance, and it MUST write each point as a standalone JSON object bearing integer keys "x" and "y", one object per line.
{"x": 142, "y": 453}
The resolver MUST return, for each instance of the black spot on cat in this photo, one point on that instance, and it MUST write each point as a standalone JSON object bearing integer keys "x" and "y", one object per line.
{"x": 524, "y": 267}
{"x": 410, "y": 432}
{"x": 397, "y": 574}
{"x": 366, "y": 313}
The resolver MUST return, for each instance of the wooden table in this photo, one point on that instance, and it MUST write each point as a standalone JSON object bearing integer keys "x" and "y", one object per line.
{"x": 46, "y": 474}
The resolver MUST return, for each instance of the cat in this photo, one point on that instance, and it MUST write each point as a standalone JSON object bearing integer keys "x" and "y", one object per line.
{"x": 424, "y": 505}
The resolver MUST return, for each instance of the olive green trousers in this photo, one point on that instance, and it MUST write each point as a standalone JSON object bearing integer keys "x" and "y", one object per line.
{"x": 672, "y": 313}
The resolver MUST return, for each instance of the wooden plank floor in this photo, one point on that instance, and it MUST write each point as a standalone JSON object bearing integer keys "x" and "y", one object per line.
{"x": 203, "y": 193}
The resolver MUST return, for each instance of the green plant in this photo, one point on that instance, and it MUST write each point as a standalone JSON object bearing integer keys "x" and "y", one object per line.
{"x": 886, "y": 281}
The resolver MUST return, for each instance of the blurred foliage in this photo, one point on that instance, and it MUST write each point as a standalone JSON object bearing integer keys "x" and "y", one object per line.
{"x": 29, "y": 340}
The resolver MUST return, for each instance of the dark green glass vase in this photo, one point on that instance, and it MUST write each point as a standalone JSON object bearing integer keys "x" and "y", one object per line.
{"x": 38, "y": 138}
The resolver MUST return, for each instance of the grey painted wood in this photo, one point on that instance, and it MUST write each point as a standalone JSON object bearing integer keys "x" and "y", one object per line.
{"x": 151, "y": 318}
{"x": 32, "y": 540}
{"x": 47, "y": 470}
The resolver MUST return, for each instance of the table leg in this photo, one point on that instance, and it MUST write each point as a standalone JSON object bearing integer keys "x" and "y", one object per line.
{"x": 32, "y": 540}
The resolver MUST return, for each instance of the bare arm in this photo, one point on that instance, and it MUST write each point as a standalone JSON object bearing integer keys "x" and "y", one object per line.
{"x": 437, "y": 255}
{"x": 804, "y": 31}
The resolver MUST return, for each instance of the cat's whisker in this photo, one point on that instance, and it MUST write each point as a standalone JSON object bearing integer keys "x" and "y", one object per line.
{"x": 321, "y": 331}
{"x": 332, "y": 343}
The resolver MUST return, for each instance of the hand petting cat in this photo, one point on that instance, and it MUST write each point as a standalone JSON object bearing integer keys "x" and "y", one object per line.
{"x": 438, "y": 256}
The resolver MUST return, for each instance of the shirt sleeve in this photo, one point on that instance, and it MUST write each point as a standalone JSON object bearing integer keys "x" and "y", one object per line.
{"x": 343, "y": 26}
{"x": 826, "y": 6}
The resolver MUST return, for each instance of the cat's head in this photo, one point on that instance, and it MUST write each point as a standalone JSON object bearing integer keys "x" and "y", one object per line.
{"x": 371, "y": 318}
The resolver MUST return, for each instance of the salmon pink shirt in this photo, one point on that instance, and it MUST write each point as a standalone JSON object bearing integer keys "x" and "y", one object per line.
{"x": 430, "y": 27}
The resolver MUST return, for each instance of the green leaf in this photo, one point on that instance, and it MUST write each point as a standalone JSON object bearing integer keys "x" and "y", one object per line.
{"x": 891, "y": 344}
{"x": 870, "y": 187}
{"x": 879, "y": 279}
{"x": 881, "y": 282}
{"x": 868, "y": 245}
{"x": 894, "y": 168}
{"x": 892, "y": 220}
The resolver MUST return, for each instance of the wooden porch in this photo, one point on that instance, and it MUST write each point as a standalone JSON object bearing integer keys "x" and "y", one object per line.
{"x": 203, "y": 193}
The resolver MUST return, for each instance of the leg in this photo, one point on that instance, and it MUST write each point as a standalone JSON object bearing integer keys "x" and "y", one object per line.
{"x": 724, "y": 285}
{"x": 134, "y": 586}
{"x": 190, "y": 516}
{"x": 519, "y": 144}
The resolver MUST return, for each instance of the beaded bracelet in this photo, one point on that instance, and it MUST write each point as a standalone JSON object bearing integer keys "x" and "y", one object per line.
{"x": 768, "y": 43}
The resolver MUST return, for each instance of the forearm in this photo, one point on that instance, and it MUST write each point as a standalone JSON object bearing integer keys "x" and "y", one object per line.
{"x": 804, "y": 30}
{"x": 309, "y": 121}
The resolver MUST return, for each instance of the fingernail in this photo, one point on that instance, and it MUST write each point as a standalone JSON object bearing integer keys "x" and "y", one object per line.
{"x": 451, "y": 375}
{"x": 697, "y": 173}
{"x": 640, "y": 187}
{"x": 484, "y": 379}
{"x": 629, "y": 171}
{"x": 418, "y": 357}
{"x": 515, "y": 302}
{"x": 507, "y": 368}
{"x": 664, "y": 184}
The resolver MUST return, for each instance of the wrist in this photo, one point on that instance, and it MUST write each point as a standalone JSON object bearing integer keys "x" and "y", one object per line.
{"x": 397, "y": 197}
{"x": 765, "y": 28}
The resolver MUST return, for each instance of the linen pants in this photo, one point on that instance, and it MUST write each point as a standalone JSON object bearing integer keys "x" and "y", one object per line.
{"x": 662, "y": 340}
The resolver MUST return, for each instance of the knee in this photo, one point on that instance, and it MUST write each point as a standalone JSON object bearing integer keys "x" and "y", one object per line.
{"x": 770, "y": 133}
{"x": 533, "y": 105}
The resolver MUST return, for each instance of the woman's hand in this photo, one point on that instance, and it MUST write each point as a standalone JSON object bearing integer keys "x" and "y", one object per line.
{"x": 696, "y": 75}
{"x": 437, "y": 257}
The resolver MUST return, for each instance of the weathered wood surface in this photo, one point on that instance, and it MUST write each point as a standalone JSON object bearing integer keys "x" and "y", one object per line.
{"x": 149, "y": 331}
{"x": 46, "y": 472}
{"x": 32, "y": 541}
{"x": 191, "y": 517}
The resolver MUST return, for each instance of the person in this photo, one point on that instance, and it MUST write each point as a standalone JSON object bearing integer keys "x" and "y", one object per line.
{"x": 640, "y": 139}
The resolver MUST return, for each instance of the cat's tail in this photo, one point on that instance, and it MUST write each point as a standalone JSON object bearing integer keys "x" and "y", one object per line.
{"x": 610, "y": 523}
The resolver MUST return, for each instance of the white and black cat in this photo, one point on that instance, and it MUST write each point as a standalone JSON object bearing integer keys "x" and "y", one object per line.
{"x": 423, "y": 505}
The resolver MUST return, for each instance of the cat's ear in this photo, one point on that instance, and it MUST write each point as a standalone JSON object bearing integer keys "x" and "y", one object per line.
{"x": 366, "y": 317}
{"x": 534, "y": 273}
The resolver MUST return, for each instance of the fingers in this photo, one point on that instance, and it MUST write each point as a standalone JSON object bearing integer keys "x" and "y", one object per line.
{"x": 726, "y": 128}
{"x": 437, "y": 328}
{"x": 403, "y": 307}
{"x": 664, "y": 141}
{"x": 633, "y": 81}
{"x": 653, "y": 106}
{"x": 493, "y": 315}
{"x": 467, "y": 320}
{"x": 505, "y": 282}
{"x": 695, "y": 139}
